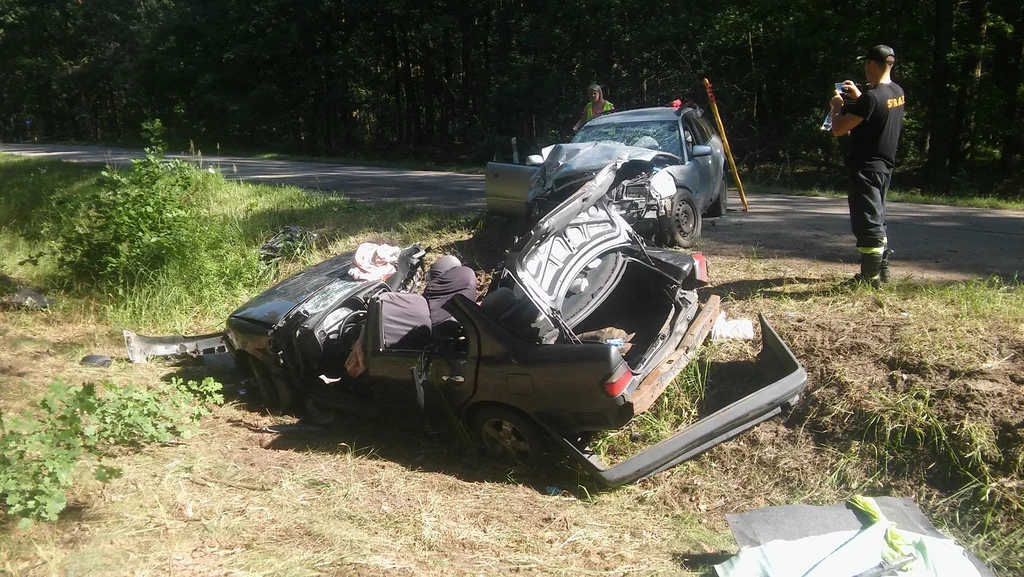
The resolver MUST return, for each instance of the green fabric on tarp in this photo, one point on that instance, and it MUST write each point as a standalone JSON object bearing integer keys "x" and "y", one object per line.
{"x": 849, "y": 553}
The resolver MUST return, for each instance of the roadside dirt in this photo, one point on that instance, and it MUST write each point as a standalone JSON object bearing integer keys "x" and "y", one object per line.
{"x": 930, "y": 242}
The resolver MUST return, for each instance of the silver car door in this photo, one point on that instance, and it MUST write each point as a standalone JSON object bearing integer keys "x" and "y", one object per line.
{"x": 718, "y": 158}
{"x": 507, "y": 187}
{"x": 693, "y": 135}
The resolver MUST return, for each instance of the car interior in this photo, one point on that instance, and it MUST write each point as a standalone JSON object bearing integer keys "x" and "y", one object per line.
{"x": 614, "y": 292}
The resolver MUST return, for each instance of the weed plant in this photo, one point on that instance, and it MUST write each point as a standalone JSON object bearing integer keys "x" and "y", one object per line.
{"x": 39, "y": 451}
{"x": 169, "y": 246}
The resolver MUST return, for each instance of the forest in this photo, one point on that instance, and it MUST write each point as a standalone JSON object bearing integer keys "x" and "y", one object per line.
{"x": 453, "y": 80}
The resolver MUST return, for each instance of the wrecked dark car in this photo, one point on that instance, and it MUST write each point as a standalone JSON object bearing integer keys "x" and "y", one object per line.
{"x": 674, "y": 174}
{"x": 582, "y": 329}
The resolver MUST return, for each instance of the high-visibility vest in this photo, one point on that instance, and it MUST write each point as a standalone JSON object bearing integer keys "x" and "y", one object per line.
{"x": 588, "y": 110}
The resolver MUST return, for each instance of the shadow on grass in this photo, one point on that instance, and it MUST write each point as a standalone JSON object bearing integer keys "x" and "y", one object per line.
{"x": 747, "y": 289}
{"x": 701, "y": 563}
{"x": 414, "y": 440}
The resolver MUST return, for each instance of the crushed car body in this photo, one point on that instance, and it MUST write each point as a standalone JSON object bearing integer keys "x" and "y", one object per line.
{"x": 675, "y": 173}
{"x": 582, "y": 330}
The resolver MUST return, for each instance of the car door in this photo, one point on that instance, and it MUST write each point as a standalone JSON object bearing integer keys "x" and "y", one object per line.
{"x": 507, "y": 187}
{"x": 715, "y": 142}
{"x": 694, "y": 134}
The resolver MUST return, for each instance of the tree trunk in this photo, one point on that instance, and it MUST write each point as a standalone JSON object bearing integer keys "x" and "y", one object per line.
{"x": 967, "y": 95}
{"x": 1011, "y": 146}
{"x": 937, "y": 165}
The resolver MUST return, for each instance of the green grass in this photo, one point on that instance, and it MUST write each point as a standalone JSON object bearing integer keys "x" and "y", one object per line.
{"x": 222, "y": 269}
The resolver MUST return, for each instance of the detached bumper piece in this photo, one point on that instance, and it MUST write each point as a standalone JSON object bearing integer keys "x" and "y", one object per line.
{"x": 174, "y": 348}
{"x": 716, "y": 428}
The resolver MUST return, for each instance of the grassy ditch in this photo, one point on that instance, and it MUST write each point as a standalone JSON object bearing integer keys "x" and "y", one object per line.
{"x": 915, "y": 390}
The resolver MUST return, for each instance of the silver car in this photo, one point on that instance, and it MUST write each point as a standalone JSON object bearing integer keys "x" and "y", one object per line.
{"x": 674, "y": 172}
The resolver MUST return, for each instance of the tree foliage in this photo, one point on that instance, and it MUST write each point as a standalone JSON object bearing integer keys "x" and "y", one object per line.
{"x": 445, "y": 77}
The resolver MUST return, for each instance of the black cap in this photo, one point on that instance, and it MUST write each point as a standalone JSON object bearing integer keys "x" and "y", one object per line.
{"x": 880, "y": 53}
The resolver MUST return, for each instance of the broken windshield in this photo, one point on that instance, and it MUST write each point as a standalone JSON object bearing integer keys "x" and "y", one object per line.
{"x": 660, "y": 135}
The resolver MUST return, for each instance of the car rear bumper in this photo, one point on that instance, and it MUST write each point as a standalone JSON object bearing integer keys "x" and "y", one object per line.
{"x": 716, "y": 428}
{"x": 174, "y": 347}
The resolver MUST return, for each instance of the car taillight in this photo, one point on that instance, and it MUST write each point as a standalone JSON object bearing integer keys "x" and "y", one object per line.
{"x": 618, "y": 381}
{"x": 701, "y": 267}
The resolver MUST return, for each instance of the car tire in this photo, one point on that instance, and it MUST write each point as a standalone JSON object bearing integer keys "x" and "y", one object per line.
{"x": 721, "y": 204}
{"x": 274, "y": 396}
{"x": 508, "y": 436}
{"x": 682, "y": 227}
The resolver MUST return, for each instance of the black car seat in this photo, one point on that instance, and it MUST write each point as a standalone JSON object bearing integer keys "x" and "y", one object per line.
{"x": 498, "y": 302}
{"x": 405, "y": 321}
{"x": 519, "y": 316}
{"x": 439, "y": 290}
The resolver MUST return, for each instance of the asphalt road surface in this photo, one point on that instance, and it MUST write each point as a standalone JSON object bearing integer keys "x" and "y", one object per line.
{"x": 934, "y": 242}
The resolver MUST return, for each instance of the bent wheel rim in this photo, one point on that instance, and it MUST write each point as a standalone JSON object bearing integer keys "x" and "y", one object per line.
{"x": 503, "y": 439}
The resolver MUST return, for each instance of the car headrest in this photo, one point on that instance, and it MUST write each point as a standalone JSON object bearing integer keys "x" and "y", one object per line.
{"x": 405, "y": 321}
{"x": 528, "y": 323}
{"x": 442, "y": 265}
{"x": 441, "y": 288}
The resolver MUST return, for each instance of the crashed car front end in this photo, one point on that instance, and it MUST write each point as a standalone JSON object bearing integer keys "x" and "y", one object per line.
{"x": 567, "y": 167}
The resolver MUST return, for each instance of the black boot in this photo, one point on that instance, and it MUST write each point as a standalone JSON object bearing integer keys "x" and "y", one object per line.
{"x": 883, "y": 272}
{"x": 870, "y": 270}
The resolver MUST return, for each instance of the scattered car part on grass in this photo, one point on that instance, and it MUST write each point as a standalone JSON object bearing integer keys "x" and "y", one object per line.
{"x": 28, "y": 299}
{"x": 288, "y": 241}
{"x": 175, "y": 348}
{"x": 518, "y": 367}
{"x": 767, "y": 525}
{"x": 97, "y": 360}
{"x": 675, "y": 173}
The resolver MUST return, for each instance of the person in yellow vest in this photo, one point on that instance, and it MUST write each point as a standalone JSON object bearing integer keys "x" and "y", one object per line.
{"x": 596, "y": 107}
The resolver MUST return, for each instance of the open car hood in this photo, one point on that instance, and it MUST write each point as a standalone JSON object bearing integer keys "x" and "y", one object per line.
{"x": 566, "y": 240}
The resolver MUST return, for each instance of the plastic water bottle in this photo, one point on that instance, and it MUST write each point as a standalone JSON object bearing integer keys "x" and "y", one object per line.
{"x": 826, "y": 126}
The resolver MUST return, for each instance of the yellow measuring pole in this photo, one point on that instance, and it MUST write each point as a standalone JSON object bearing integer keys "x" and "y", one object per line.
{"x": 725, "y": 141}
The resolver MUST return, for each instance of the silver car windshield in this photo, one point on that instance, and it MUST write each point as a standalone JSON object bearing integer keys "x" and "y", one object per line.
{"x": 653, "y": 135}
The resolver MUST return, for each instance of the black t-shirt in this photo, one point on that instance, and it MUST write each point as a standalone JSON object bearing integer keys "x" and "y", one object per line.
{"x": 873, "y": 145}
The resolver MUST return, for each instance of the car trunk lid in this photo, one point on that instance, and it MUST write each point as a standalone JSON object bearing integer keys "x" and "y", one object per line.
{"x": 565, "y": 240}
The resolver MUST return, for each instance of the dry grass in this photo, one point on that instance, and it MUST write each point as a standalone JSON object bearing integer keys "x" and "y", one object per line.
{"x": 351, "y": 499}
{"x": 367, "y": 497}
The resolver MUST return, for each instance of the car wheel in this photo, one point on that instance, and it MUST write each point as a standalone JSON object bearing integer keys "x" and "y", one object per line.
{"x": 684, "y": 223}
{"x": 721, "y": 204}
{"x": 507, "y": 436}
{"x": 274, "y": 396}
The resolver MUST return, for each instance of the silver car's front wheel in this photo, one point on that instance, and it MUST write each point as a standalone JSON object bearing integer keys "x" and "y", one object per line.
{"x": 683, "y": 224}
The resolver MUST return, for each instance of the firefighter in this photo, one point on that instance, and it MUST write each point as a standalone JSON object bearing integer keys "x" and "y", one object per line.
{"x": 874, "y": 120}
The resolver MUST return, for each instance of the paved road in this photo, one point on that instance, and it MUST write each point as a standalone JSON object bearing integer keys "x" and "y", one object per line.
{"x": 938, "y": 242}
{"x": 422, "y": 187}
